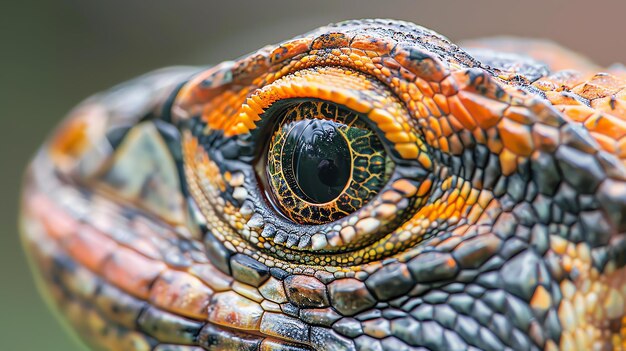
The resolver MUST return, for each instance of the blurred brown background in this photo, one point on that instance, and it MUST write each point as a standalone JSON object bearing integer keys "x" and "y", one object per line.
{"x": 54, "y": 53}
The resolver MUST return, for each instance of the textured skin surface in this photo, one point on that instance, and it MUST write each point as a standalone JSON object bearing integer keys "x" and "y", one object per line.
{"x": 500, "y": 227}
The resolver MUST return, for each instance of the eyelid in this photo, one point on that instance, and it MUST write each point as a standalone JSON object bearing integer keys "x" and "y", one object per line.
{"x": 354, "y": 90}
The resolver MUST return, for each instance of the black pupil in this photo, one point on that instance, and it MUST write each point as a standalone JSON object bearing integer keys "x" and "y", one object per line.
{"x": 317, "y": 160}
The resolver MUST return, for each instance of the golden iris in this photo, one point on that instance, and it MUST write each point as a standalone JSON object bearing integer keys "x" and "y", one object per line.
{"x": 324, "y": 162}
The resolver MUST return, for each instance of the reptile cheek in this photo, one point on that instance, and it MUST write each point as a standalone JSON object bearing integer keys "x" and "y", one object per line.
{"x": 277, "y": 306}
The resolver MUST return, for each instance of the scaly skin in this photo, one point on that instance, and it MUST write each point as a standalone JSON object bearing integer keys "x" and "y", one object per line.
{"x": 500, "y": 226}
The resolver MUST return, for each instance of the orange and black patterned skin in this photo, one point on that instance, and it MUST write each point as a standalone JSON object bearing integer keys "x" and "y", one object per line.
{"x": 486, "y": 209}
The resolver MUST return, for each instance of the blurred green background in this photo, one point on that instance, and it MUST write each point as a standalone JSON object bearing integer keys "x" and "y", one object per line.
{"x": 54, "y": 53}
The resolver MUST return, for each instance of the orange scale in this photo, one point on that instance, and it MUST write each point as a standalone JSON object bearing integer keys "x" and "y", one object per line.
{"x": 435, "y": 125}
{"x": 146, "y": 247}
{"x": 454, "y": 194}
{"x": 429, "y": 212}
{"x": 346, "y": 50}
{"x": 461, "y": 204}
{"x": 407, "y": 151}
{"x": 289, "y": 50}
{"x": 395, "y": 82}
{"x": 430, "y": 136}
{"x": 450, "y": 212}
{"x": 57, "y": 222}
{"x": 578, "y": 113}
{"x": 132, "y": 272}
{"x": 391, "y": 127}
{"x": 330, "y": 40}
{"x": 391, "y": 63}
{"x": 621, "y": 148}
{"x": 485, "y": 111}
{"x": 608, "y": 144}
{"x": 461, "y": 113}
{"x": 449, "y": 86}
{"x": 432, "y": 106}
{"x": 606, "y": 124}
{"x": 591, "y": 91}
{"x": 406, "y": 126}
{"x": 474, "y": 214}
{"x": 90, "y": 247}
{"x": 569, "y": 80}
{"x": 611, "y": 105}
{"x": 398, "y": 137}
{"x": 381, "y": 117}
{"x": 424, "y": 187}
{"x": 414, "y": 92}
{"x": 181, "y": 293}
{"x": 430, "y": 68}
{"x": 516, "y": 137}
{"x": 422, "y": 110}
{"x": 544, "y": 85}
{"x": 494, "y": 142}
{"x": 404, "y": 86}
{"x": 373, "y": 54}
{"x": 425, "y": 160}
{"x": 255, "y": 102}
{"x": 446, "y": 128}
{"x": 443, "y": 144}
{"x": 378, "y": 61}
{"x": 471, "y": 195}
{"x": 601, "y": 85}
{"x": 71, "y": 141}
{"x": 480, "y": 136}
{"x": 368, "y": 43}
{"x": 560, "y": 98}
{"x": 484, "y": 198}
{"x": 465, "y": 189}
{"x": 407, "y": 75}
{"x": 456, "y": 125}
{"x": 424, "y": 87}
{"x": 455, "y": 144}
{"x": 442, "y": 102}
{"x": 520, "y": 115}
{"x": 508, "y": 162}
{"x": 436, "y": 87}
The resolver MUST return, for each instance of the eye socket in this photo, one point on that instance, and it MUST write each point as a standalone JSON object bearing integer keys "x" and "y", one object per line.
{"x": 234, "y": 170}
{"x": 323, "y": 162}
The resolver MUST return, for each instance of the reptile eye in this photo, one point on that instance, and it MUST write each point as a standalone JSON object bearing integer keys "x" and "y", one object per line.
{"x": 322, "y": 166}
{"x": 323, "y": 162}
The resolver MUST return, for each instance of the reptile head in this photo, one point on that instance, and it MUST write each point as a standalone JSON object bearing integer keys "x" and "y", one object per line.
{"x": 365, "y": 186}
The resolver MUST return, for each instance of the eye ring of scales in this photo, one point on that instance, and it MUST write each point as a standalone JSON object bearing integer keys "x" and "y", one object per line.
{"x": 500, "y": 225}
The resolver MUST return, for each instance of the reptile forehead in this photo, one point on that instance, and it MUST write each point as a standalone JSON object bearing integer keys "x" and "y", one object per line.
{"x": 499, "y": 224}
